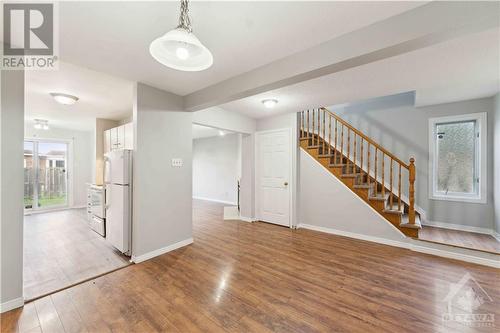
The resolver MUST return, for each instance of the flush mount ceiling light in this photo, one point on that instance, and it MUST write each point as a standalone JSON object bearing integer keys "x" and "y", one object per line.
{"x": 41, "y": 124}
{"x": 270, "y": 103}
{"x": 222, "y": 133}
{"x": 64, "y": 98}
{"x": 179, "y": 48}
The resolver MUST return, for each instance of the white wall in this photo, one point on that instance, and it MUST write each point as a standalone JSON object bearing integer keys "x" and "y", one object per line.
{"x": 11, "y": 185}
{"x": 403, "y": 129}
{"x": 326, "y": 202}
{"x": 162, "y": 207}
{"x": 81, "y": 154}
{"x": 216, "y": 168}
{"x": 496, "y": 161}
{"x": 224, "y": 119}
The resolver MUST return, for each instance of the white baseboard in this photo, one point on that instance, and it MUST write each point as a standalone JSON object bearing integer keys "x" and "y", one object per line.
{"x": 459, "y": 227}
{"x": 13, "y": 304}
{"x": 496, "y": 235}
{"x": 247, "y": 219}
{"x": 450, "y": 252}
{"x": 385, "y": 241}
{"x": 216, "y": 200}
{"x": 163, "y": 250}
{"x": 415, "y": 245}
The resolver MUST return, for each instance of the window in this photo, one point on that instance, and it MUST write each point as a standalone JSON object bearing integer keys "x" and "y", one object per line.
{"x": 457, "y": 147}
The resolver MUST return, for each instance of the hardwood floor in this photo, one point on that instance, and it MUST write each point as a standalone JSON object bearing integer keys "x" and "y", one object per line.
{"x": 258, "y": 277}
{"x": 470, "y": 240}
{"x": 60, "y": 249}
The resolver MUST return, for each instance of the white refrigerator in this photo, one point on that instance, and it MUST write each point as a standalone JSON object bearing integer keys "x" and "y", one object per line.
{"x": 118, "y": 183}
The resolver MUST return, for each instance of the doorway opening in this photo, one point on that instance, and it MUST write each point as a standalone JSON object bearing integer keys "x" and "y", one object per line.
{"x": 45, "y": 174}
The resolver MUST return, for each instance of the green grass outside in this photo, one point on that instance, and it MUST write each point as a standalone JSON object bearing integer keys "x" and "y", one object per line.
{"x": 45, "y": 201}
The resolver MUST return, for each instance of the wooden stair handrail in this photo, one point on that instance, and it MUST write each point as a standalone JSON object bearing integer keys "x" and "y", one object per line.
{"x": 380, "y": 148}
{"x": 325, "y": 146}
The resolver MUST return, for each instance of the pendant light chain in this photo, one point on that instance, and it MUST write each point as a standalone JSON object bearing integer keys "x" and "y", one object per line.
{"x": 184, "y": 20}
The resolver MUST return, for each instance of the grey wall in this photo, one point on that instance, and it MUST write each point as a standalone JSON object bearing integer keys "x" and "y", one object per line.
{"x": 81, "y": 155}
{"x": 11, "y": 184}
{"x": 496, "y": 162}
{"x": 403, "y": 129}
{"x": 216, "y": 168}
{"x": 162, "y": 209}
{"x": 326, "y": 202}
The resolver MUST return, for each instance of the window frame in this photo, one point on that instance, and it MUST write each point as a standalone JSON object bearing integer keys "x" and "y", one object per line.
{"x": 480, "y": 158}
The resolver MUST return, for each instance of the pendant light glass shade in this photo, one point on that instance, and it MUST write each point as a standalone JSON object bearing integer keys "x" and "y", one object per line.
{"x": 180, "y": 49}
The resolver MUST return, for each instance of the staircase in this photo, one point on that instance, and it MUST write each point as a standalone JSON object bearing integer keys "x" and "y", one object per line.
{"x": 370, "y": 171}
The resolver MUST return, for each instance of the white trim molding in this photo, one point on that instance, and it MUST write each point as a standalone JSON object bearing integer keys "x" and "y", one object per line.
{"x": 385, "y": 241}
{"x": 163, "y": 250}
{"x": 215, "y": 200}
{"x": 12, "y": 304}
{"x": 248, "y": 219}
{"x": 440, "y": 250}
{"x": 481, "y": 160}
{"x": 459, "y": 227}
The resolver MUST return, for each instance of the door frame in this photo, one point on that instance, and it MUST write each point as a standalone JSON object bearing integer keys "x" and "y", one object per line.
{"x": 69, "y": 173}
{"x": 291, "y": 181}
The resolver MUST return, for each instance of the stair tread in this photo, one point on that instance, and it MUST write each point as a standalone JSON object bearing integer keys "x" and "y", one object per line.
{"x": 379, "y": 196}
{"x": 313, "y": 146}
{"x": 365, "y": 185}
{"x": 406, "y": 224}
{"x": 333, "y": 165}
{"x": 394, "y": 208}
{"x": 350, "y": 175}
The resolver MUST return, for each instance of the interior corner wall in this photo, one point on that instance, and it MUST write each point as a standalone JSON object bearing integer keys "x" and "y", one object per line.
{"x": 162, "y": 193}
{"x": 216, "y": 168}
{"x": 11, "y": 185}
{"x": 496, "y": 162}
{"x": 403, "y": 129}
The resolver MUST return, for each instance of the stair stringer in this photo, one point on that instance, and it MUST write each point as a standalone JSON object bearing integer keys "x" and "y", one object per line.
{"x": 327, "y": 203}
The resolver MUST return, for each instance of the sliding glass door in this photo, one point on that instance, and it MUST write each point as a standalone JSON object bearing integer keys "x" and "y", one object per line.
{"x": 45, "y": 174}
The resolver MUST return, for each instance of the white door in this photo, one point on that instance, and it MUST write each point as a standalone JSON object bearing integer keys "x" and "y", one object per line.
{"x": 273, "y": 167}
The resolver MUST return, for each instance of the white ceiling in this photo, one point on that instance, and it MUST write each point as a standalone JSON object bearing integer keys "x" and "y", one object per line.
{"x": 114, "y": 37}
{"x": 100, "y": 96}
{"x": 460, "y": 69}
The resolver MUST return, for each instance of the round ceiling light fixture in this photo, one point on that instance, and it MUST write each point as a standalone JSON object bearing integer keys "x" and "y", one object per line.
{"x": 270, "y": 103}
{"x": 64, "y": 98}
{"x": 179, "y": 48}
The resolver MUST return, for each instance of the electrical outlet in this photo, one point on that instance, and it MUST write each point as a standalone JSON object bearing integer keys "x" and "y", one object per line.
{"x": 177, "y": 162}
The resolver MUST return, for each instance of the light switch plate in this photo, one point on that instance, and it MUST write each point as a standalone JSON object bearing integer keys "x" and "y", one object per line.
{"x": 177, "y": 162}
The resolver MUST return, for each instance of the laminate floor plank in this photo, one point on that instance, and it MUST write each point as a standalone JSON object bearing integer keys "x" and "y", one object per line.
{"x": 258, "y": 277}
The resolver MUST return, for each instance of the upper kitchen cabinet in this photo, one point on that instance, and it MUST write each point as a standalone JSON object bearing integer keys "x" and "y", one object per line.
{"x": 121, "y": 137}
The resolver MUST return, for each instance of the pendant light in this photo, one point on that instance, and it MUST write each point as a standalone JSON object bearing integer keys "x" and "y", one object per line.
{"x": 179, "y": 48}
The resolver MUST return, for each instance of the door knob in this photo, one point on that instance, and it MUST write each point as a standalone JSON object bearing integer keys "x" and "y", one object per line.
{"x": 286, "y": 184}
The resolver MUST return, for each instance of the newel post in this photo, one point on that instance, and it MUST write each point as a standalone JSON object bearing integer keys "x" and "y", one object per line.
{"x": 412, "y": 172}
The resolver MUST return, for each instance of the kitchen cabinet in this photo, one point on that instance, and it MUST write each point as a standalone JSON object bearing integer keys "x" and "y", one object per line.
{"x": 121, "y": 137}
